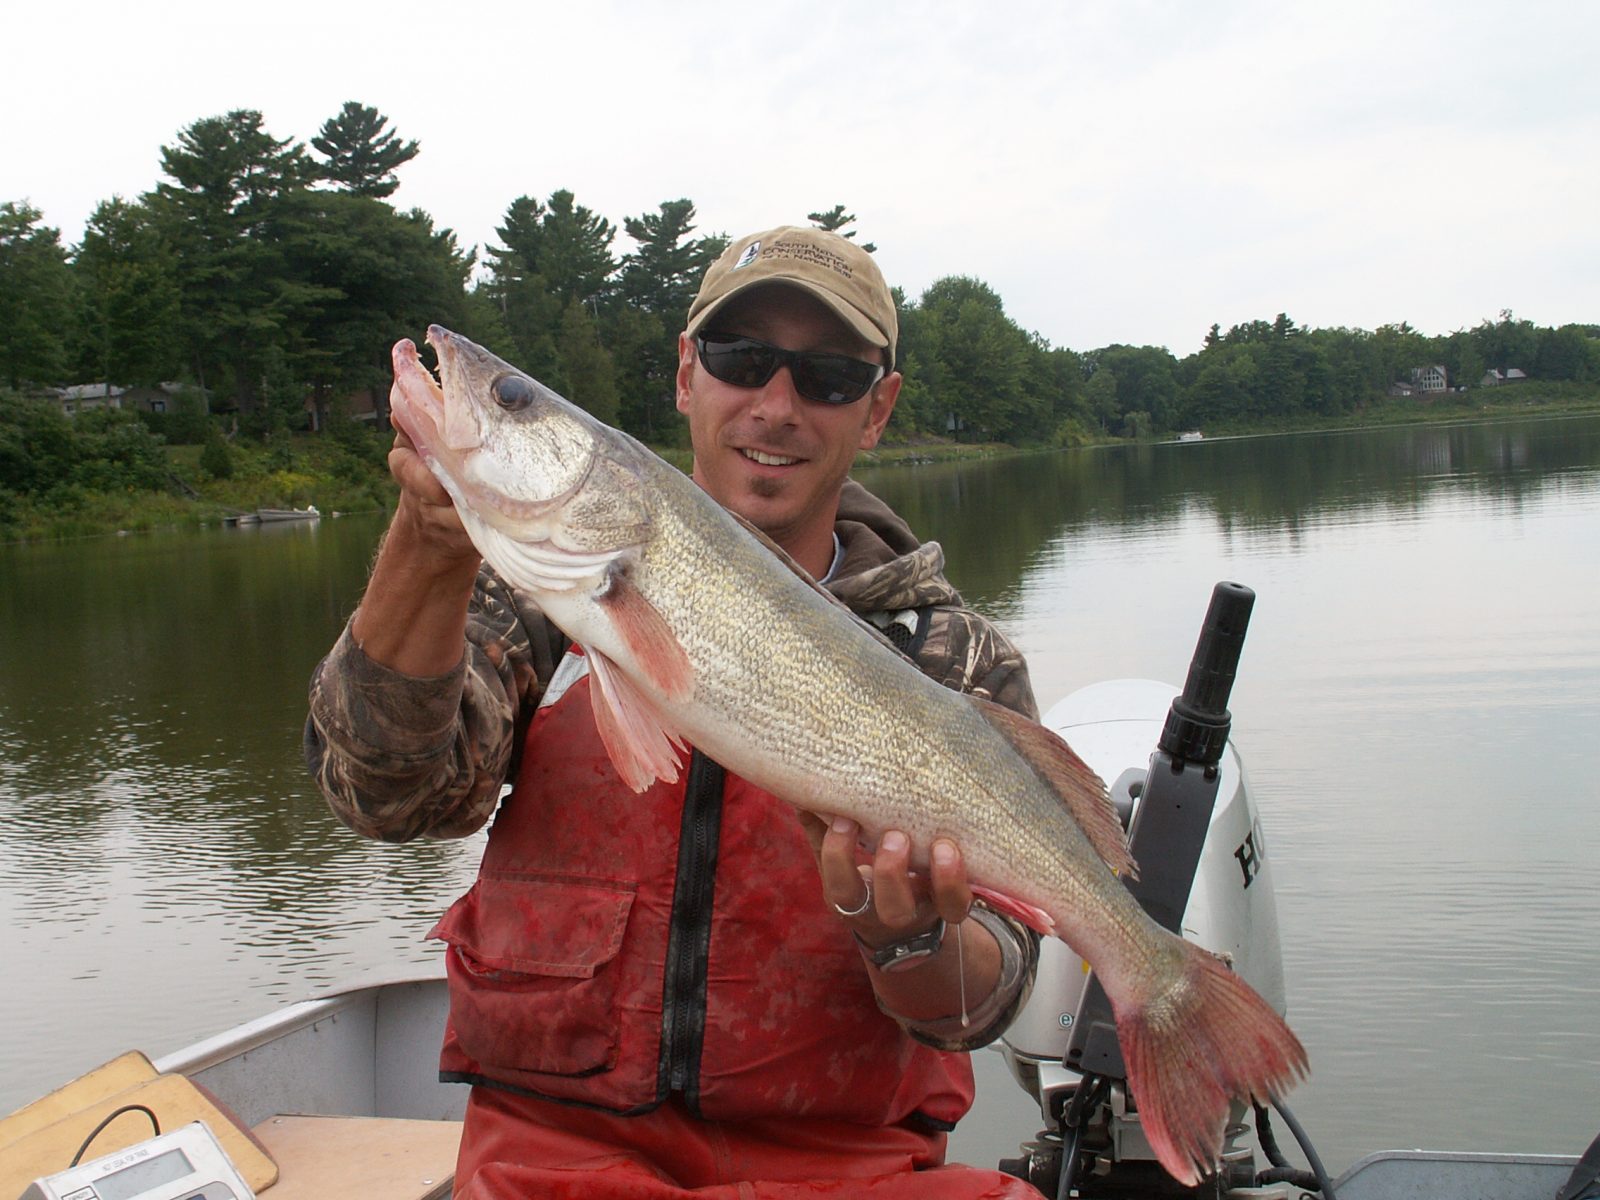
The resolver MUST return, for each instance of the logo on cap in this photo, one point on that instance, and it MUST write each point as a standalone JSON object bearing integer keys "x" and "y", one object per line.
{"x": 748, "y": 257}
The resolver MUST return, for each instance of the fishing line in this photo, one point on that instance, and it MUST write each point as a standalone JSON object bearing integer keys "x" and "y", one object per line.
{"x": 961, "y": 970}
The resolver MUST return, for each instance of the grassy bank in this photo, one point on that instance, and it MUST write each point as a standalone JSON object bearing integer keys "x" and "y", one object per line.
{"x": 1531, "y": 399}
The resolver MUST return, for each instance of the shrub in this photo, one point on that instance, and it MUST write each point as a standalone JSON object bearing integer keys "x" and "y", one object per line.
{"x": 215, "y": 460}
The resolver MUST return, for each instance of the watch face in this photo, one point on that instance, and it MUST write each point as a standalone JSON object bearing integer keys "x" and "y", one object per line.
{"x": 909, "y": 950}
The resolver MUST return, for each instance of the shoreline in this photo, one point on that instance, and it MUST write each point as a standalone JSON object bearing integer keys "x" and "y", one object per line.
{"x": 349, "y": 485}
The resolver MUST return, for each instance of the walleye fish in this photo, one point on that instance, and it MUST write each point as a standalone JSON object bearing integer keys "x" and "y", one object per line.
{"x": 696, "y": 633}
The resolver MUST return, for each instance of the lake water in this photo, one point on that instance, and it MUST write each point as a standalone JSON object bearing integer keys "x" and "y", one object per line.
{"x": 1414, "y": 705}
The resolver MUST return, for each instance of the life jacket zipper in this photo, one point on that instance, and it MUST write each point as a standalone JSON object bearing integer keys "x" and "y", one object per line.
{"x": 683, "y": 1002}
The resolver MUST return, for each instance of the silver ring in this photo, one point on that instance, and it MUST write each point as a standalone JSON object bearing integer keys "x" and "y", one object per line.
{"x": 866, "y": 902}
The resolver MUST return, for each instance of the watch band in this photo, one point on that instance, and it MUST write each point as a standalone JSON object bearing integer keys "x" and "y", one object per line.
{"x": 897, "y": 955}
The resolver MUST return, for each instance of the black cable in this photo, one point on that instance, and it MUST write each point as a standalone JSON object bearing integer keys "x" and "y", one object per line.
{"x": 1324, "y": 1184}
{"x": 1080, "y": 1109}
{"x": 1269, "y": 1143}
{"x": 95, "y": 1132}
{"x": 1282, "y": 1171}
{"x": 1304, "y": 1180}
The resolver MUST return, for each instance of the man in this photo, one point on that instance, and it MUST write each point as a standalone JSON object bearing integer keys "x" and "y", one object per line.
{"x": 686, "y": 991}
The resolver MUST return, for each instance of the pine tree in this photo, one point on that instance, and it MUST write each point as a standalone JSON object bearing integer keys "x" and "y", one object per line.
{"x": 35, "y": 298}
{"x": 835, "y": 220}
{"x": 362, "y": 155}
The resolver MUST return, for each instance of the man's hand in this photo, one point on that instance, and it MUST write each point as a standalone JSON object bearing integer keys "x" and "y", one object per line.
{"x": 413, "y": 616}
{"x": 426, "y": 505}
{"x": 903, "y": 901}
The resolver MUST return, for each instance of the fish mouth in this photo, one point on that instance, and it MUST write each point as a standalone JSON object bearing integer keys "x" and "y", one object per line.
{"x": 445, "y": 349}
{"x": 416, "y": 401}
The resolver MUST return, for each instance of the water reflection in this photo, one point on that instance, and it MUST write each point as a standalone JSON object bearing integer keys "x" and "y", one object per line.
{"x": 998, "y": 519}
{"x": 162, "y": 853}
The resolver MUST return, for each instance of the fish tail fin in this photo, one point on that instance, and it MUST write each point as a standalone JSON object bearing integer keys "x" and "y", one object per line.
{"x": 1208, "y": 1040}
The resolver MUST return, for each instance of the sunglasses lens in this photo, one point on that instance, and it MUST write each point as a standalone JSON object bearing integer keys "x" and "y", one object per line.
{"x": 823, "y": 378}
{"x": 742, "y": 362}
{"x": 832, "y": 378}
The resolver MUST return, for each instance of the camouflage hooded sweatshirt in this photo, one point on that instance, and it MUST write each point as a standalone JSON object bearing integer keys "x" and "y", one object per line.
{"x": 399, "y": 757}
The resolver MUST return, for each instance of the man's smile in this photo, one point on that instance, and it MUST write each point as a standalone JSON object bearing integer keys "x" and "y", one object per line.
{"x": 769, "y": 460}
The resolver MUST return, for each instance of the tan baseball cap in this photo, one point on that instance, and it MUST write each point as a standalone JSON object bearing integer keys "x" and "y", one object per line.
{"x": 832, "y": 268}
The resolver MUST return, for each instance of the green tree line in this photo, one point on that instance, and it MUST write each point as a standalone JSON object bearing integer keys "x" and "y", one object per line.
{"x": 274, "y": 277}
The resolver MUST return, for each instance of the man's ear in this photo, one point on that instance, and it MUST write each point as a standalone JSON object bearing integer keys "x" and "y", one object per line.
{"x": 686, "y": 365}
{"x": 881, "y": 406}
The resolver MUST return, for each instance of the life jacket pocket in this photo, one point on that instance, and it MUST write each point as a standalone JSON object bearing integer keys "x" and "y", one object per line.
{"x": 533, "y": 985}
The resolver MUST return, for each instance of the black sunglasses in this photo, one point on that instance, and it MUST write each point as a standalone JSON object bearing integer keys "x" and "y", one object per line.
{"x": 748, "y": 363}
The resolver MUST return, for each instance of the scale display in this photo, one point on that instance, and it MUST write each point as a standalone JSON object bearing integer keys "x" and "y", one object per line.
{"x": 186, "y": 1164}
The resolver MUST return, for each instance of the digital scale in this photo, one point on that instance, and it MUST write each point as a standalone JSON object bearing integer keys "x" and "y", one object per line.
{"x": 186, "y": 1164}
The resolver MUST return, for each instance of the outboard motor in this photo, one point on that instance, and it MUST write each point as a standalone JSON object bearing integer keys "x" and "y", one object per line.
{"x": 1204, "y": 872}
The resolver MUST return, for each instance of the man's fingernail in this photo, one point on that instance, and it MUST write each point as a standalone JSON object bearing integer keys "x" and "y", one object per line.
{"x": 843, "y": 825}
{"x": 944, "y": 854}
{"x": 894, "y": 841}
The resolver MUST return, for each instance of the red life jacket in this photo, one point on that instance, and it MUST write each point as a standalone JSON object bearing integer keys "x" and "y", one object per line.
{"x": 618, "y": 947}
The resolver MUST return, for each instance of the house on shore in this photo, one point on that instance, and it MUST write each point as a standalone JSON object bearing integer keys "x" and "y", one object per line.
{"x": 1430, "y": 380}
{"x": 1493, "y": 377}
{"x": 82, "y": 397}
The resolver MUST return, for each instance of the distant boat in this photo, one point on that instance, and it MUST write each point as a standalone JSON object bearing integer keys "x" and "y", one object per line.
{"x": 308, "y": 513}
{"x": 1192, "y": 435}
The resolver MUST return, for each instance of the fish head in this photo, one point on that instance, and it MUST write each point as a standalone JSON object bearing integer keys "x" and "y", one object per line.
{"x": 497, "y": 438}
{"x": 524, "y": 466}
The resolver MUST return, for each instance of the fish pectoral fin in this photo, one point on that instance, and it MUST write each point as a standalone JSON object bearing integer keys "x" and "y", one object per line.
{"x": 1034, "y": 918}
{"x": 1069, "y": 777}
{"x": 655, "y": 648}
{"x": 643, "y": 746}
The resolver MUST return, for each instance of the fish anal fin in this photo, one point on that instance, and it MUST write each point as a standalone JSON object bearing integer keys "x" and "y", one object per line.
{"x": 1080, "y": 789}
{"x": 1209, "y": 1040}
{"x": 643, "y": 746}
{"x": 656, "y": 649}
{"x": 1035, "y": 919}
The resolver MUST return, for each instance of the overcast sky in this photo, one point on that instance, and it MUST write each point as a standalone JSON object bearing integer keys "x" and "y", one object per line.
{"x": 1117, "y": 172}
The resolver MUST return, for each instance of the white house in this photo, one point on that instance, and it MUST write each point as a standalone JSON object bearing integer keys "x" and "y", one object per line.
{"x": 1430, "y": 379}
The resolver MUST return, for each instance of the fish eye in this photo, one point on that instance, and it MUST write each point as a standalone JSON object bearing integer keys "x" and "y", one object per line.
{"x": 512, "y": 392}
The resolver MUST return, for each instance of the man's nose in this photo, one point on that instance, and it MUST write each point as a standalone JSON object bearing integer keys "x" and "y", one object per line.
{"x": 776, "y": 401}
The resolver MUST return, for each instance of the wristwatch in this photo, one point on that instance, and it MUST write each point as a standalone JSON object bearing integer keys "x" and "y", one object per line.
{"x": 898, "y": 955}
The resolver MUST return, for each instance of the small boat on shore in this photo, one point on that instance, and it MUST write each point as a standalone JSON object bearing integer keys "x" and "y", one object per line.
{"x": 308, "y": 513}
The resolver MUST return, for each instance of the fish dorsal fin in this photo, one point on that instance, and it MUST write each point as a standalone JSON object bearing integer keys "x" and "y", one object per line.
{"x": 655, "y": 648}
{"x": 1079, "y": 788}
{"x": 643, "y": 745}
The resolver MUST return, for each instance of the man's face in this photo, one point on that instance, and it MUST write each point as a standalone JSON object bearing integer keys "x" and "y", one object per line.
{"x": 767, "y": 453}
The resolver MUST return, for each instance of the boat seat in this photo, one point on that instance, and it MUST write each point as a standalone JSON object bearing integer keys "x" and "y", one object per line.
{"x": 397, "y": 1159}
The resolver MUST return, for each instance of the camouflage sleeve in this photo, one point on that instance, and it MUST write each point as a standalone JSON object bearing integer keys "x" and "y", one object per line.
{"x": 964, "y": 651}
{"x": 399, "y": 757}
